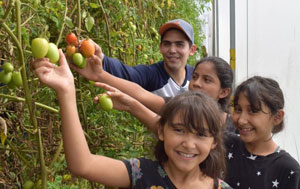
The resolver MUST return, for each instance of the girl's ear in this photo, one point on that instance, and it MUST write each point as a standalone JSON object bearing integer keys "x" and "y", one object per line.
{"x": 213, "y": 146}
{"x": 160, "y": 132}
{"x": 224, "y": 93}
{"x": 278, "y": 118}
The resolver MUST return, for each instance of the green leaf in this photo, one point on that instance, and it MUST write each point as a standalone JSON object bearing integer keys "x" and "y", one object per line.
{"x": 94, "y": 5}
{"x": 69, "y": 22}
{"x": 89, "y": 23}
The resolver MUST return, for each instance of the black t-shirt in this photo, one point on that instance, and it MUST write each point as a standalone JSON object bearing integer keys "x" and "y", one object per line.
{"x": 246, "y": 170}
{"x": 149, "y": 174}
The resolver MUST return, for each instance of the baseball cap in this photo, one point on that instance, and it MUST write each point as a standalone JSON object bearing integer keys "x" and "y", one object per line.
{"x": 178, "y": 24}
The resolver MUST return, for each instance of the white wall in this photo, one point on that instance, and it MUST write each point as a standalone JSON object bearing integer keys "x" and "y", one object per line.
{"x": 268, "y": 44}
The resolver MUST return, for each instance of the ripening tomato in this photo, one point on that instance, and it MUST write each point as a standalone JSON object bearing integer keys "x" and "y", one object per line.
{"x": 39, "y": 47}
{"x": 17, "y": 79}
{"x": 77, "y": 59}
{"x": 7, "y": 67}
{"x": 105, "y": 102}
{"x": 53, "y": 53}
{"x": 87, "y": 48}
{"x": 71, "y": 49}
{"x": 5, "y": 77}
{"x": 72, "y": 39}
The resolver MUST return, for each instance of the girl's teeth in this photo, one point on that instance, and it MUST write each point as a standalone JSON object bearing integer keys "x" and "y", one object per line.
{"x": 186, "y": 155}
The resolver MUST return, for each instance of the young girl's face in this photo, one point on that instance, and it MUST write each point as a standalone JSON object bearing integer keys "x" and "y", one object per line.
{"x": 253, "y": 126}
{"x": 185, "y": 150}
{"x": 205, "y": 79}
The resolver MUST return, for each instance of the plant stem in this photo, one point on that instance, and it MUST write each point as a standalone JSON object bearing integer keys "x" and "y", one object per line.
{"x": 107, "y": 27}
{"x": 19, "y": 99}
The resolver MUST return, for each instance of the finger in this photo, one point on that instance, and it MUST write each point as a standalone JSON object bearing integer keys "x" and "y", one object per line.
{"x": 98, "y": 50}
{"x": 40, "y": 72}
{"x": 105, "y": 86}
{"x": 96, "y": 99}
{"x": 43, "y": 62}
{"x": 96, "y": 59}
{"x": 62, "y": 58}
{"x": 74, "y": 67}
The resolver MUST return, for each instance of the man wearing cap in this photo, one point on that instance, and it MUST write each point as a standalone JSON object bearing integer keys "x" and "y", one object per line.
{"x": 165, "y": 78}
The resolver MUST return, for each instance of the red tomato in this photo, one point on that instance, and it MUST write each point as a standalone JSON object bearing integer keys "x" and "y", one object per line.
{"x": 87, "y": 48}
{"x": 72, "y": 39}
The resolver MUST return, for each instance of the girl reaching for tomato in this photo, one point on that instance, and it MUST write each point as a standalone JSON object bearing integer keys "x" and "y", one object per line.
{"x": 189, "y": 153}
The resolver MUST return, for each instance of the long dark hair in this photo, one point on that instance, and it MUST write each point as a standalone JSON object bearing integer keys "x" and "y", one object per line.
{"x": 196, "y": 109}
{"x": 225, "y": 75}
{"x": 261, "y": 90}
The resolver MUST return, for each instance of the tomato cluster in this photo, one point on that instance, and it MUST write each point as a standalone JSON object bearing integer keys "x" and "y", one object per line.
{"x": 9, "y": 76}
{"x": 86, "y": 50}
{"x": 41, "y": 48}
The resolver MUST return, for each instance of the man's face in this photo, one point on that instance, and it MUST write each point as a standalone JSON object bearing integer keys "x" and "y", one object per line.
{"x": 175, "y": 49}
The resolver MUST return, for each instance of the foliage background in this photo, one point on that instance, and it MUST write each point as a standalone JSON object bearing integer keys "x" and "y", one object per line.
{"x": 31, "y": 147}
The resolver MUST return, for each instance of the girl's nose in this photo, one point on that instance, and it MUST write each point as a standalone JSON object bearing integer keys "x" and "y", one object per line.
{"x": 242, "y": 119}
{"x": 188, "y": 141}
{"x": 197, "y": 84}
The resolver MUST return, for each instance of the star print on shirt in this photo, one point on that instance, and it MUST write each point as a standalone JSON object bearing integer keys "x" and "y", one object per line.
{"x": 258, "y": 173}
{"x": 238, "y": 184}
{"x": 275, "y": 183}
{"x": 252, "y": 157}
{"x": 292, "y": 172}
{"x": 230, "y": 155}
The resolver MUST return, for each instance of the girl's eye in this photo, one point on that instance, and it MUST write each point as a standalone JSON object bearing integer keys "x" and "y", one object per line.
{"x": 207, "y": 80}
{"x": 201, "y": 135}
{"x": 194, "y": 76}
{"x": 178, "y": 130}
{"x": 237, "y": 110}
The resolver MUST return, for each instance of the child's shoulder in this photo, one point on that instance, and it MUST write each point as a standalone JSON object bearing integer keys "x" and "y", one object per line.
{"x": 223, "y": 185}
{"x": 285, "y": 160}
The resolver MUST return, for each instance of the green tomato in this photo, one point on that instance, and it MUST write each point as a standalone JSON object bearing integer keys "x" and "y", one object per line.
{"x": 39, "y": 47}
{"x": 5, "y": 77}
{"x": 83, "y": 64}
{"x": 53, "y": 53}
{"x": 7, "y": 67}
{"x": 105, "y": 102}
{"x": 38, "y": 184}
{"x": 11, "y": 85}
{"x": 28, "y": 184}
{"x": 77, "y": 59}
{"x": 17, "y": 79}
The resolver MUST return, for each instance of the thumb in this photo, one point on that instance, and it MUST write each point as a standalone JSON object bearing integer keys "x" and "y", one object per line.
{"x": 62, "y": 58}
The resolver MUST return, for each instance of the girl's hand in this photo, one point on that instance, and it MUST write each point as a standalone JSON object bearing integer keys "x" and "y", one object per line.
{"x": 59, "y": 78}
{"x": 93, "y": 67}
{"x": 121, "y": 101}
